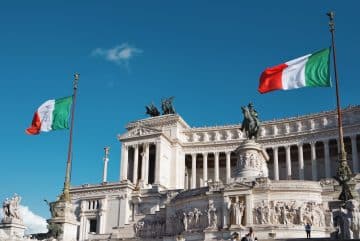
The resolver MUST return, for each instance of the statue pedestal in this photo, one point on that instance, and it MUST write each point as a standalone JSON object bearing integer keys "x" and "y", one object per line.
{"x": 63, "y": 215}
{"x": 251, "y": 161}
{"x": 13, "y": 229}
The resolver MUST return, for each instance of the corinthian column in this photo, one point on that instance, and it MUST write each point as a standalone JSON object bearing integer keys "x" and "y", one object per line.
{"x": 313, "y": 161}
{"x": 124, "y": 162}
{"x": 144, "y": 160}
{"x": 288, "y": 162}
{"x": 276, "y": 163}
{"x": 136, "y": 162}
{"x": 216, "y": 163}
{"x": 327, "y": 159}
{"x": 301, "y": 161}
{"x": 205, "y": 168}
{"x": 193, "y": 170}
{"x": 228, "y": 171}
{"x": 157, "y": 162}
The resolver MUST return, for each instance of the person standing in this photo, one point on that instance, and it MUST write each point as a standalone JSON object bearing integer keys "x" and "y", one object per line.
{"x": 308, "y": 230}
{"x": 251, "y": 235}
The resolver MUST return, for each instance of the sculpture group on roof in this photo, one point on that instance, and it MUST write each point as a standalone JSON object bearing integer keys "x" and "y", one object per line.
{"x": 167, "y": 107}
{"x": 11, "y": 209}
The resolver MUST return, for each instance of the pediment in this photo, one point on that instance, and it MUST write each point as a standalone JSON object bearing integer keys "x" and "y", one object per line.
{"x": 140, "y": 131}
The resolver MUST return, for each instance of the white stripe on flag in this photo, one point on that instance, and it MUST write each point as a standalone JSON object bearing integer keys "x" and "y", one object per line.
{"x": 293, "y": 76}
{"x": 45, "y": 112}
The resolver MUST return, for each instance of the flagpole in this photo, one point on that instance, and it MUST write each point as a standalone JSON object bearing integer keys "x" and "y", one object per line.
{"x": 342, "y": 154}
{"x": 65, "y": 196}
{"x": 343, "y": 172}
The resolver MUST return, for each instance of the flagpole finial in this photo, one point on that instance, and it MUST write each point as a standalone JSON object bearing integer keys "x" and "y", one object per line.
{"x": 331, "y": 16}
{"x": 76, "y": 80}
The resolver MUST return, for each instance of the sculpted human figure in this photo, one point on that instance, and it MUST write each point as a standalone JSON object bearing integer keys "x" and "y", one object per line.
{"x": 236, "y": 212}
{"x": 212, "y": 217}
{"x": 251, "y": 123}
{"x": 6, "y": 207}
{"x": 11, "y": 208}
{"x": 197, "y": 214}
{"x": 240, "y": 208}
{"x": 343, "y": 176}
{"x": 185, "y": 221}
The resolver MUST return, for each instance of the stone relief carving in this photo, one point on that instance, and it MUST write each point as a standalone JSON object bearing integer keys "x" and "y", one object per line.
{"x": 150, "y": 228}
{"x": 290, "y": 212}
{"x": 252, "y": 160}
{"x": 11, "y": 210}
{"x": 182, "y": 220}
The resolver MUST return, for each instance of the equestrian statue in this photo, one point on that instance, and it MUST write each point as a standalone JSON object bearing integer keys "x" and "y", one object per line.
{"x": 251, "y": 123}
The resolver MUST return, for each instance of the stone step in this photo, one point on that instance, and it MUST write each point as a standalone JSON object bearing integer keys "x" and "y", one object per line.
{"x": 305, "y": 239}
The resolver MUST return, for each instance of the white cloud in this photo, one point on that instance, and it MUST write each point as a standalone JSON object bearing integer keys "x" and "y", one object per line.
{"x": 120, "y": 54}
{"x": 33, "y": 222}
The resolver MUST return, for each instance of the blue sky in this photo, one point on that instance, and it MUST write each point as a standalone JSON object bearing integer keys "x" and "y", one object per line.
{"x": 208, "y": 54}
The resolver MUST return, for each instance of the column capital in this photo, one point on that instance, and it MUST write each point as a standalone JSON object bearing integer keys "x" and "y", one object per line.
{"x": 353, "y": 136}
{"x": 193, "y": 155}
{"x": 204, "y": 154}
{"x": 275, "y": 148}
{"x": 312, "y": 143}
{"x": 228, "y": 153}
{"x": 326, "y": 141}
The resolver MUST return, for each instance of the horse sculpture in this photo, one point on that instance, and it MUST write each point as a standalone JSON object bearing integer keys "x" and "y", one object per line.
{"x": 250, "y": 124}
{"x": 152, "y": 110}
{"x": 167, "y": 106}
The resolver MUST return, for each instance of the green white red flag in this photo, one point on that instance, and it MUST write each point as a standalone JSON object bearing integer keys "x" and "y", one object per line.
{"x": 51, "y": 115}
{"x": 312, "y": 70}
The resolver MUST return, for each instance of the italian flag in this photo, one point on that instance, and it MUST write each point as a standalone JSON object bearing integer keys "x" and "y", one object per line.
{"x": 51, "y": 115}
{"x": 312, "y": 70}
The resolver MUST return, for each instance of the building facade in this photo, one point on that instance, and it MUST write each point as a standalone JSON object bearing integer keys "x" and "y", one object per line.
{"x": 166, "y": 164}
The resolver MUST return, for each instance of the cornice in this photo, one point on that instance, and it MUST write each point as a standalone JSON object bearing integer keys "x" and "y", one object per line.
{"x": 267, "y": 123}
{"x": 101, "y": 189}
{"x": 163, "y": 120}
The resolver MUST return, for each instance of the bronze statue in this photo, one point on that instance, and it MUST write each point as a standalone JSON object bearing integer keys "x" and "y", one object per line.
{"x": 152, "y": 110}
{"x": 167, "y": 106}
{"x": 251, "y": 122}
{"x": 343, "y": 176}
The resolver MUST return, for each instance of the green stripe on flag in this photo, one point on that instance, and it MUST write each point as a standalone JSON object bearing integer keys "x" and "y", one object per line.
{"x": 61, "y": 113}
{"x": 317, "y": 69}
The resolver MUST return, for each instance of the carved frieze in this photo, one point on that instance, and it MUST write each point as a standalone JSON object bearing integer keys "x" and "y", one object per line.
{"x": 289, "y": 212}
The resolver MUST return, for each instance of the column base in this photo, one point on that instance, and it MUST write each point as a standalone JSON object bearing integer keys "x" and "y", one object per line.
{"x": 64, "y": 221}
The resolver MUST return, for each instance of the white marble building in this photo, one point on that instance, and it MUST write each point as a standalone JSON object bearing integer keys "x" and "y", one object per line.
{"x": 176, "y": 179}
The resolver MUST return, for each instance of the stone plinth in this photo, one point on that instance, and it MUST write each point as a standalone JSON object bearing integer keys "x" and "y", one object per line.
{"x": 13, "y": 229}
{"x": 63, "y": 215}
{"x": 251, "y": 161}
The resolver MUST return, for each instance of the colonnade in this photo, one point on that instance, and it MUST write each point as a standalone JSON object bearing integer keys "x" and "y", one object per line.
{"x": 216, "y": 176}
{"x": 313, "y": 157}
{"x": 139, "y": 164}
{"x": 318, "y": 154}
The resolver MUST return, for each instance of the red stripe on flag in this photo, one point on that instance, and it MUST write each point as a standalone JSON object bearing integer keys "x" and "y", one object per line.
{"x": 270, "y": 79}
{"x": 35, "y": 125}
